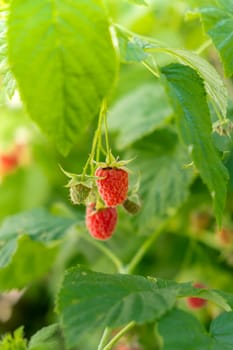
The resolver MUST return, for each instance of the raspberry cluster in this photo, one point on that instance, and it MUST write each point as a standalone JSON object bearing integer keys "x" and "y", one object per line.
{"x": 106, "y": 187}
{"x": 102, "y": 193}
{"x": 112, "y": 185}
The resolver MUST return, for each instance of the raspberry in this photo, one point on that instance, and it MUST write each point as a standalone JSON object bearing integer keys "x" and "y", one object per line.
{"x": 113, "y": 187}
{"x": 101, "y": 223}
{"x": 196, "y": 303}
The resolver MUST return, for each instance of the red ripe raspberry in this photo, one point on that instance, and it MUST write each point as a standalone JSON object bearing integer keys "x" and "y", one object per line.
{"x": 8, "y": 162}
{"x": 196, "y": 303}
{"x": 101, "y": 223}
{"x": 113, "y": 187}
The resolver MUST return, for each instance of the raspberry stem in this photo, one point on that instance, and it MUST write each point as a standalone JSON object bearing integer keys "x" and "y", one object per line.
{"x": 104, "y": 338}
{"x": 118, "y": 336}
{"x": 106, "y": 137}
{"x": 104, "y": 249}
{"x": 144, "y": 248}
{"x": 96, "y": 143}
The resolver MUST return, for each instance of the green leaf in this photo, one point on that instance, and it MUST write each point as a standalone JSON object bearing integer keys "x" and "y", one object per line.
{"x": 181, "y": 331}
{"x": 193, "y": 120}
{"x": 45, "y": 339}
{"x": 134, "y": 49}
{"x": 29, "y": 239}
{"x": 70, "y": 63}
{"x": 228, "y": 297}
{"x": 165, "y": 179}
{"x": 38, "y": 224}
{"x": 31, "y": 261}
{"x": 89, "y": 300}
{"x": 221, "y": 331}
{"x": 218, "y": 23}
{"x": 183, "y": 290}
{"x": 214, "y": 86}
{"x": 145, "y": 109}
{"x": 192, "y": 335}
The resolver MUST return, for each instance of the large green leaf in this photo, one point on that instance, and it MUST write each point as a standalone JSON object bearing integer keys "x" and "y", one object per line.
{"x": 218, "y": 22}
{"x": 164, "y": 179}
{"x": 192, "y": 335}
{"x": 67, "y": 69}
{"x": 145, "y": 109}
{"x": 29, "y": 239}
{"x": 193, "y": 120}
{"x": 89, "y": 300}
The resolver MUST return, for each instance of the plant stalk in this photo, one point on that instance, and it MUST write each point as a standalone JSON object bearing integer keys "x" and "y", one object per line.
{"x": 103, "y": 340}
{"x": 107, "y": 252}
{"x": 118, "y": 336}
{"x": 143, "y": 249}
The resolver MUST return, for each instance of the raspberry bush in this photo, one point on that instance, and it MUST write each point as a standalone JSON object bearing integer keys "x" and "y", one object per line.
{"x": 116, "y": 174}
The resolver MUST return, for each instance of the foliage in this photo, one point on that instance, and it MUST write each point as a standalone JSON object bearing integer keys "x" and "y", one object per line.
{"x": 14, "y": 342}
{"x": 141, "y": 80}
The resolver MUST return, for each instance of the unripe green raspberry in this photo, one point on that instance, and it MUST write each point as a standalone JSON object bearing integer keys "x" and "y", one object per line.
{"x": 132, "y": 205}
{"x": 79, "y": 193}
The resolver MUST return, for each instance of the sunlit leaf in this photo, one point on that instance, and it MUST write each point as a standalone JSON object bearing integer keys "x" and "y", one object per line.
{"x": 218, "y": 22}
{"x": 193, "y": 120}
{"x": 68, "y": 67}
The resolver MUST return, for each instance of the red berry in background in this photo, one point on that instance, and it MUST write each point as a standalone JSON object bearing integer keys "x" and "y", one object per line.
{"x": 225, "y": 236}
{"x": 101, "y": 223}
{"x": 126, "y": 347}
{"x": 113, "y": 188}
{"x": 8, "y": 162}
{"x": 194, "y": 302}
{"x": 123, "y": 347}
